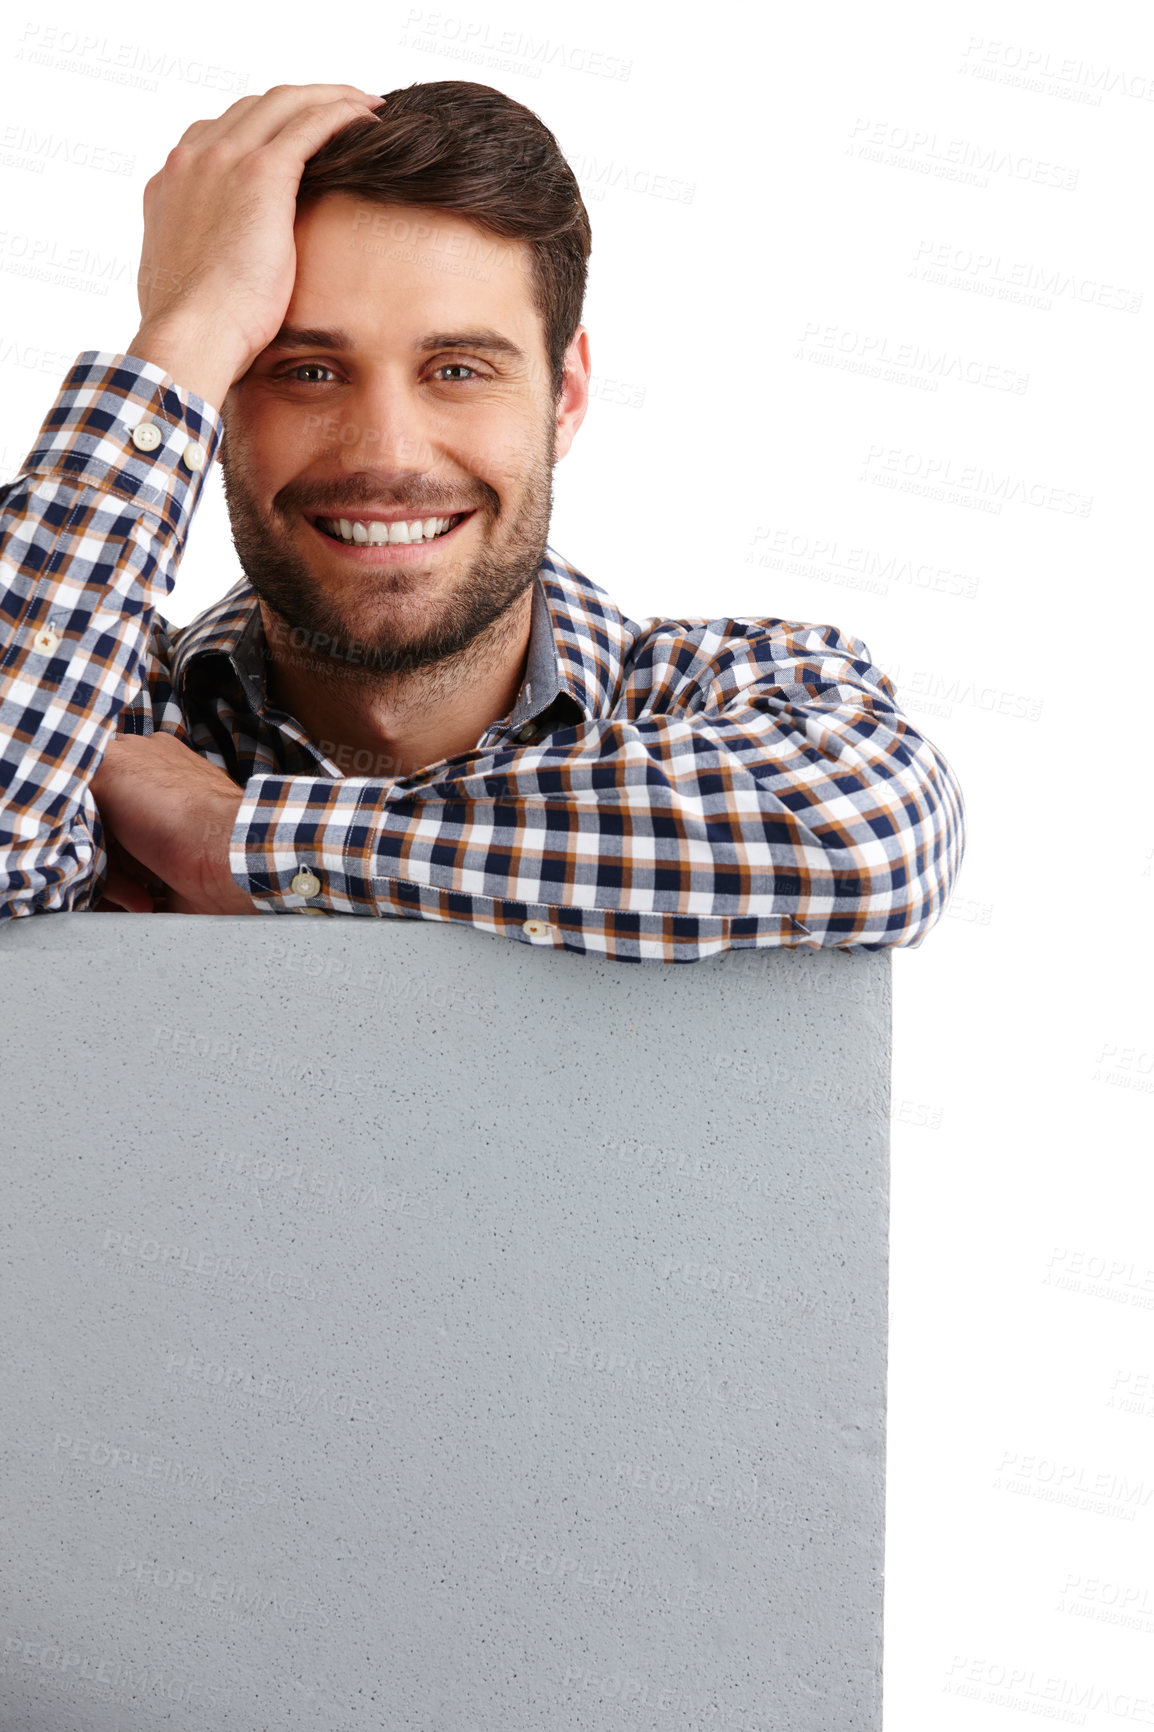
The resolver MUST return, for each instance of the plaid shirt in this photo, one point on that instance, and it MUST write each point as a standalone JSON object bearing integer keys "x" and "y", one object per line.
{"x": 659, "y": 791}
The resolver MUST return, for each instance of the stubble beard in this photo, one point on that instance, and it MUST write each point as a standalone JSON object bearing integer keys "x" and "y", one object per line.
{"x": 338, "y": 650}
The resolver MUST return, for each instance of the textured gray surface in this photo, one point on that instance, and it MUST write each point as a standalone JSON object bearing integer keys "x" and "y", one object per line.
{"x": 406, "y": 1328}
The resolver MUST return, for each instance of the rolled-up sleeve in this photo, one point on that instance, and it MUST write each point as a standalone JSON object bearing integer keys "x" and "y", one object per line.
{"x": 752, "y": 787}
{"x": 91, "y": 532}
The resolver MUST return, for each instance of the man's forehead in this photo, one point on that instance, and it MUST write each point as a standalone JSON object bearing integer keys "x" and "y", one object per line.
{"x": 353, "y": 253}
{"x": 373, "y": 228}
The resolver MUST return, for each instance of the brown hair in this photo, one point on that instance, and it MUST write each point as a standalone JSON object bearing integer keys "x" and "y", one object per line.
{"x": 471, "y": 150}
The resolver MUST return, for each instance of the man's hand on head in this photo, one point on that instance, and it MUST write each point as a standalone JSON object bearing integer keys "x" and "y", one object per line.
{"x": 171, "y": 816}
{"x": 218, "y": 259}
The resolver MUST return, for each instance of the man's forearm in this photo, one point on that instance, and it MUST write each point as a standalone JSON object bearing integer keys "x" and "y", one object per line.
{"x": 667, "y": 838}
{"x": 91, "y": 533}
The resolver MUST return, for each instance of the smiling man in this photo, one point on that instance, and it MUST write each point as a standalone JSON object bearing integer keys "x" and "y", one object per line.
{"x": 370, "y": 310}
{"x": 434, "y": 590}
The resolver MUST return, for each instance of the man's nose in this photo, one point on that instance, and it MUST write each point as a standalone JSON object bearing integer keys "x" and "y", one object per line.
{"x": 380, "y": 427}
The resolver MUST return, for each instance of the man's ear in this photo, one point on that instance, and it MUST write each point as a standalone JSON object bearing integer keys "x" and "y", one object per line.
{"x": 574, "y": 398}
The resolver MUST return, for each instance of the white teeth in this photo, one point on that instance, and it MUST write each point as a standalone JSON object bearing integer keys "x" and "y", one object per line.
{"x": 377, "y": 534}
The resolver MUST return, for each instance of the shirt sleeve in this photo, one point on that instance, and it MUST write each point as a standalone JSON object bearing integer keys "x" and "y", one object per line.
{"x": 91, "y": 533}
{"x": 777, "y": 797}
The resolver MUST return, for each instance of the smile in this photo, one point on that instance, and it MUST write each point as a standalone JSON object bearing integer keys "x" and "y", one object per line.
{"x": 372, "y": 532}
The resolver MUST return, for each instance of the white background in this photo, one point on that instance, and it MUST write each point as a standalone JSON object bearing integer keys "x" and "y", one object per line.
{"x": 828, "y": 244}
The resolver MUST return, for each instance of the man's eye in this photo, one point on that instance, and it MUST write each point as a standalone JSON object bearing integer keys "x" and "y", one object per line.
{"x": 307, "y": 367}
{"x": 313, "y": 368}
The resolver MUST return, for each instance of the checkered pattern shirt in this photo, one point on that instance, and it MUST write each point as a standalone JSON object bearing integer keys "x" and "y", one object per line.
{"x": 659, "y": 792}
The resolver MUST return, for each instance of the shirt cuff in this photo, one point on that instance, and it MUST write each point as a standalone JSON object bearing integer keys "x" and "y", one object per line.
{"x": 303, "y": 844}
{"x": 122, "y": 424}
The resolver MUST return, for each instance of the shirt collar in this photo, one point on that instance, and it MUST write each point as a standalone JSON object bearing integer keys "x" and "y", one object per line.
{"x": 578, "y": 642}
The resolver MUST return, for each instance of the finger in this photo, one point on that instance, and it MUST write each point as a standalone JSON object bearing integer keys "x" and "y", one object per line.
{"x": 218, "y": 123}
{"x": 308, "y": 130}
{"x": 264, "y": 117}
{"x": 304, "y": 134}
{"x": 128, "y": 882}
{"x": 128, "y": 895}
{"x": 255, "y": 121}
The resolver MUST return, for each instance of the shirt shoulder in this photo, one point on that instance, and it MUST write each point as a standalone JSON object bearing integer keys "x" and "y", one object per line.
{"x": 692, "y": 659}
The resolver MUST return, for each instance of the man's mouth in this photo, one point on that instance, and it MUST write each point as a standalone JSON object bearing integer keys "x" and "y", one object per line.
{"x": 374, "y": 532}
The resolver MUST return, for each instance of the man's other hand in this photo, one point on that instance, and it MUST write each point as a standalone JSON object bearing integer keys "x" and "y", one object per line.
{"x": 218, "y": 259}
{"x": 171, "y": 816}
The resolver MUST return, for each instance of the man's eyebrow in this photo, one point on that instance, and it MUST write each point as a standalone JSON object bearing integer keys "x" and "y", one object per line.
{"x": 491, "y": 340}
{"x": 309, "y": 337}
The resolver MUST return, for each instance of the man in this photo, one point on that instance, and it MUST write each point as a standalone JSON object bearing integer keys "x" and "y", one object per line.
{"x": 386, "y": 343}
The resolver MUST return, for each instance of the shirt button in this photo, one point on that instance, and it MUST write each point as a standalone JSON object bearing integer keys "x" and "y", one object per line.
{"x": 46, "y": 640}
{"x": 305, "y": 883}
{"x": 537, "y": 929}
{"x": 193, "y": 455}
{"x": 525, "y": 733}
{"x": 147, "y": 436}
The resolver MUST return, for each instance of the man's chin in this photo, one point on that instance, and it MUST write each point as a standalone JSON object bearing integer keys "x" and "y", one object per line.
{"x": 414, "y": 638}
{"x": 329, "y": 653}
{"x": 344, "y": 619}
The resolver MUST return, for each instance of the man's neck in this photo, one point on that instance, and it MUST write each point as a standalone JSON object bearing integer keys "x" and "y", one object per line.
{"x": 392, "y": 725}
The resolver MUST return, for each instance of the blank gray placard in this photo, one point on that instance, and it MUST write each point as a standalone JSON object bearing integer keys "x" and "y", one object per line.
{"x": 409, "y": 1328}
